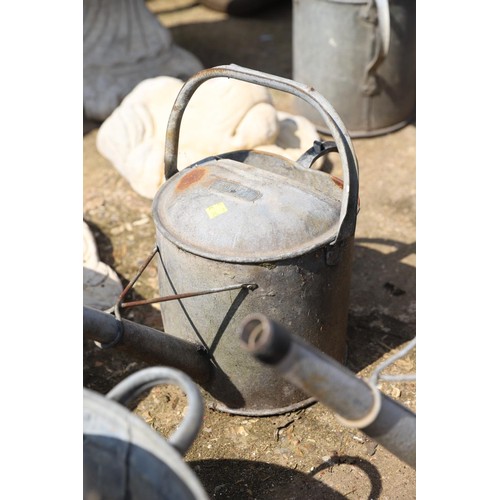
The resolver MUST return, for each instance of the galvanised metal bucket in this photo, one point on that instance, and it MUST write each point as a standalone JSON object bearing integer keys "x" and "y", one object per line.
{"x": 123, "y": 457}
{"x": 275, "y": 231}
{"x": 360, "y": 54}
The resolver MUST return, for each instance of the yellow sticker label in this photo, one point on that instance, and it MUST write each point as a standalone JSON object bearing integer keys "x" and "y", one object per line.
{"x": 216, "y": 210}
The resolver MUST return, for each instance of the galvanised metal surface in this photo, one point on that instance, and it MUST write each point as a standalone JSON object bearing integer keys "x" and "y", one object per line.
{"x": 360, "y": 54}
{"x": 123, "y": 457}
{"x": 251, "y": 217}
{"x": 356, "y": 402}
{"x": 335, "y": 127}
{"x": 248, "y": 207}
{"x": 304, "y": 293}
{"x": 147, "y": 344}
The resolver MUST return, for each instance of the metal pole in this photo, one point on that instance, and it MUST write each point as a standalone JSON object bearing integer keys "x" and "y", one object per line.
{"x": 148, "y": 344}
{"x": 356, "y": 402}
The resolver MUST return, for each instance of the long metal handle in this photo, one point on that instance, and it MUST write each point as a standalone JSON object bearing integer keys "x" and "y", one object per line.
{"x": 355, "y": 402}
{"x": 337, "y": 129}
{"x": 147, "y": 344}
{"x": 187, "y": 431}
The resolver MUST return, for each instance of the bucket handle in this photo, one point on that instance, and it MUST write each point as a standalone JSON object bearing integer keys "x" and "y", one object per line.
{"x": 384, "y": 25}
{"x": 337, "y": 129}
{"x": 382, "y": 41}
{"x": 135, "y": 384}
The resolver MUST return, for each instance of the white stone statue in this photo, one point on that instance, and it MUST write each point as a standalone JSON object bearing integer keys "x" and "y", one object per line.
{"x": 223, "y": 115}
{"x": 101, "y": 284}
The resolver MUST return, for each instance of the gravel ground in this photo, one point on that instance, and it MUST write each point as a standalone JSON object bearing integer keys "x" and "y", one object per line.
{"x": 305, "y": 453}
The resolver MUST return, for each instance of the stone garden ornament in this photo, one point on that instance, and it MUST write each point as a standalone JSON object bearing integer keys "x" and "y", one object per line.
{"x": 123, "y": 44}
{"x": 101, "y": 284}
{"x": 223, "y": 115}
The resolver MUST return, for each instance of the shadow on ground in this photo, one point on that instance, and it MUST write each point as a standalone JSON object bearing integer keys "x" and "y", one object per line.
{"x": 270, "y": 480}
{"x": 264, "y": 45}
{"x": 382, "y": 300}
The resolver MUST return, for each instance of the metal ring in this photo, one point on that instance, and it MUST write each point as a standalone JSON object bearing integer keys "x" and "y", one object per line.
{"x": 372, "y": 414}
{"x": 119, "y": 333}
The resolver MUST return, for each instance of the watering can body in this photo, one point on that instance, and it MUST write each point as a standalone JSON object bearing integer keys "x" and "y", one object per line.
{"x": 360, "y": 54}
{"x": 283, "y": 230}
{"x": 123, "y": 457}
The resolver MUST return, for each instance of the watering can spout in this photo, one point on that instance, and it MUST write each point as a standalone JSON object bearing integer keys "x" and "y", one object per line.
{"x": 146, "y": 344}
{"x": 355, "y": 402}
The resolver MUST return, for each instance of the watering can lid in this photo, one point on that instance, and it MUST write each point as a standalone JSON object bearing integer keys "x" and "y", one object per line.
{"x": 248, "y": 207}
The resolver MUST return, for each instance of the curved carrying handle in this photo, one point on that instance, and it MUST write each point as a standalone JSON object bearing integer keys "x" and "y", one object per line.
{"x": 337, "y": 129}
{"x": 384, "y": 25}
{"x": 382, "y": 41}
{"x": 185, "y": 434}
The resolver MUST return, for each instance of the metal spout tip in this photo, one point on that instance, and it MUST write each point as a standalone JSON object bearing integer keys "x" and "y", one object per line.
{"x": 264, "y": 339}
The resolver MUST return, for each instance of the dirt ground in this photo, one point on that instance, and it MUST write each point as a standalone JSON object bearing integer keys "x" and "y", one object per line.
{"x": 303, "y": 454}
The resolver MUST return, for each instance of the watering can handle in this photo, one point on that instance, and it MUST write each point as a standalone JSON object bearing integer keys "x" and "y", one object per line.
{"x": 337, "y": 129}
{"x": 383, "y": 38}
{"x": 135, "y": 384}
{"x": 384, "y": 25}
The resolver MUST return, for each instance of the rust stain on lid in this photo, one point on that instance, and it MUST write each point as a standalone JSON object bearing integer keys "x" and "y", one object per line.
{"x": 191, "y": 178}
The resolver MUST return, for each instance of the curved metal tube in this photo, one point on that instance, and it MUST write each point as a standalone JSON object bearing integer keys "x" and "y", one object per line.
{"x": 337, "y": 129}
{"x": 187, "y": 431}
{"x": 357, "y": 403}
{"x": 384, "y": 25}
{"x": 148, "y": 344}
